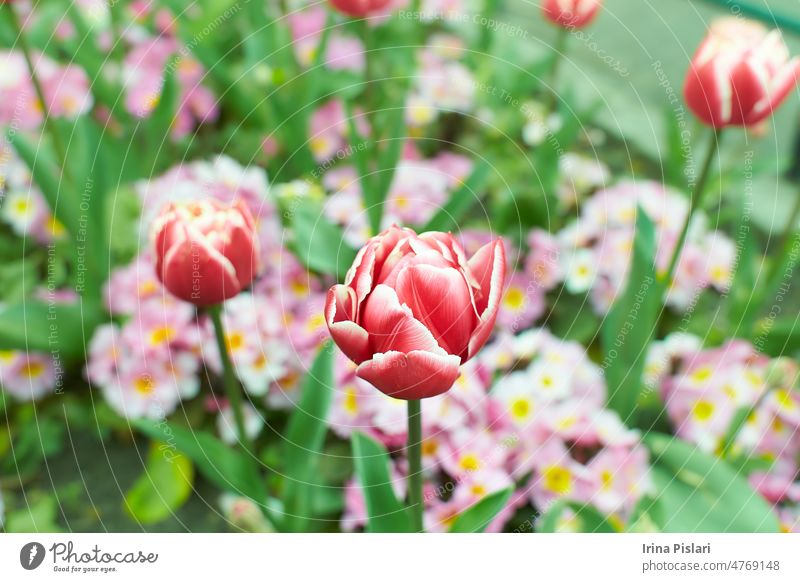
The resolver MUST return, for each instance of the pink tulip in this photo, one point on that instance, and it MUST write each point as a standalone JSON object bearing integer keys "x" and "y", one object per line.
{"x": 206, "y": 252}
{"x": 571, "y": 13}
{"x": 359, "y": 8}
{"x": 740, "y": 74}
{"x": 413, "y": 309}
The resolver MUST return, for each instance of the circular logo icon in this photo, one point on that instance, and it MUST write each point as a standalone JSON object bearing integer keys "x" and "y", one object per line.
{"x": 31, "y": 555}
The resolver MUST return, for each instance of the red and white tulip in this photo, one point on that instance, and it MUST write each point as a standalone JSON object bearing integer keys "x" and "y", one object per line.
{"x": 359, "y": 8}
{"x": 206, "y": 252}
{"x": 571, "y": 13}
{"x": 740, "y": 74}
{"x": 413, "y": 309}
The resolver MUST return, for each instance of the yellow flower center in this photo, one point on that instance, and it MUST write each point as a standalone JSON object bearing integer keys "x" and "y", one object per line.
{"x": 32, "y": 369}
{"x": 557, "y": 479}
{"x": 514, "y": 299}
{"x": 162, "y": 335}
{"x": 520, "y": 408}
{"x": 703, "y": 410}
{"x": 144, "y": 384}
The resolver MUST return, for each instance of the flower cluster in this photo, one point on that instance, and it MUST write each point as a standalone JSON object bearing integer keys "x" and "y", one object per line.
{"x": 27, "y": 375}
{"x": 419, "y": 188}
{"x": 444, "y": 84}
{"x": 65, "y": 88}
{"x": 146, "y": 65}
{"x": 527, "y": 414}
{"x": 22, "y": 204}
{"x": 704, "y": 389}
{"x": 596, "y": 249}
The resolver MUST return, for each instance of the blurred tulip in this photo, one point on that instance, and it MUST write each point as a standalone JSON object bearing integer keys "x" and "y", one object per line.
{"x": 413, "y": 309}
{"x": 359, "y": 8}
{"x": 740, "y": 74}
{"x": 206, "y": 252}
{"x": 571, "y": 13}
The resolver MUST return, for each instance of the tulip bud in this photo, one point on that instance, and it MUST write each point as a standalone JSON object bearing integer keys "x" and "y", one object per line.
{"x": 740, "y": 74}
{"x": 571, "y": 13}
{"x": 206, "y": 252}
{"x": 413, "y": 309}
{"x": 359, "y": 8}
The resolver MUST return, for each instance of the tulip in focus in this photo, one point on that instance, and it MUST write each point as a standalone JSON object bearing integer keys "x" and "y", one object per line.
{"x": 571, "y": 13}
{"x": 359, "y": 8}
{"x": 413, "y": 309}
{"x": 206, "y": 252}
{"x": 740, "y": 74}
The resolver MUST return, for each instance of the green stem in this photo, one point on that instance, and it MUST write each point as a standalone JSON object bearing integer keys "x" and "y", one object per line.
{"x": 697, "y": 200}
{"x": 232, "y": 388}
{"x": 559, "y": 52}
{"x": 414, "y": 454}
{"x": 37, "y": 86}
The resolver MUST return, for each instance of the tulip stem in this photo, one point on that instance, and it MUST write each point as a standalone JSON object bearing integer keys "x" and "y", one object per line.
{"x": 697, "y": 198}
{"x": 559, "y": 51}
{"x": 232, "y": 388}
{"x": 414, "y": 454}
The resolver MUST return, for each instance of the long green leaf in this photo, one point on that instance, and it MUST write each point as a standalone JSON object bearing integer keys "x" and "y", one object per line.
{"x": 165, "y": 486}
{"x": 58, "y": 328}
{"x": 461, "y": 201}
{"x": 228, "y": 469}
{"x": 630, "y": 324}
{"x": 319, "y": 244}
{"x": 384, "y": 512}
{"x": 476, "y": 518}
{"x": 303, "y": 440}
{"x": 700, "y": 493}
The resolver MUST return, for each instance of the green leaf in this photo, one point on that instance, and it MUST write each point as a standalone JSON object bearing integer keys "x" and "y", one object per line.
{"x": 39, "y": 516}
{"x": 228, "y": 469}
{"x": 384, "y": 512}
{"x": 476, "y": 518}
{"x": 57, "y": 329}
{"x": 319, "y": 244}
{"x": 158, "y": 125}
{"x": 585, "y": 519}
{"x": 165, "y": 485}
{"x": 303, "y": 440}
{"x": 631, "y": 323}
{"x": 449, "y": 216}
{"x": 700, "y": 493}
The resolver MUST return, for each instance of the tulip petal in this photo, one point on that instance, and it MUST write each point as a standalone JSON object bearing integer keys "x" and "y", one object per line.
{"x": 340, "y": 311}
{"x": 488, "y": 265}
{"x": 780, "y": 87}
{"x": 748, "y": 87}
{"x": 439, "y": 298}
{"x": 411, "y": 376}
{"x": 392, "y": 327}
{"x": 195, "y": 271}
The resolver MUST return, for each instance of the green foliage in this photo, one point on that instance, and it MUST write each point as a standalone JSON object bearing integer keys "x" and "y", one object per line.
{"x": 631, "y": 323}
{"x": 699, "y": 493}
{"x": 462, "y": 200}
{"x": 229, "y": 469}
{"x": 319, "y": 244}
{"x": 581, "y": 518}
{"x": 303, "y": 440}
{"x": 385, "y": 513}
{"x": 476, "y": 518}
{"x": 165, "y": 485}
{"x": 58, "y": 329}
